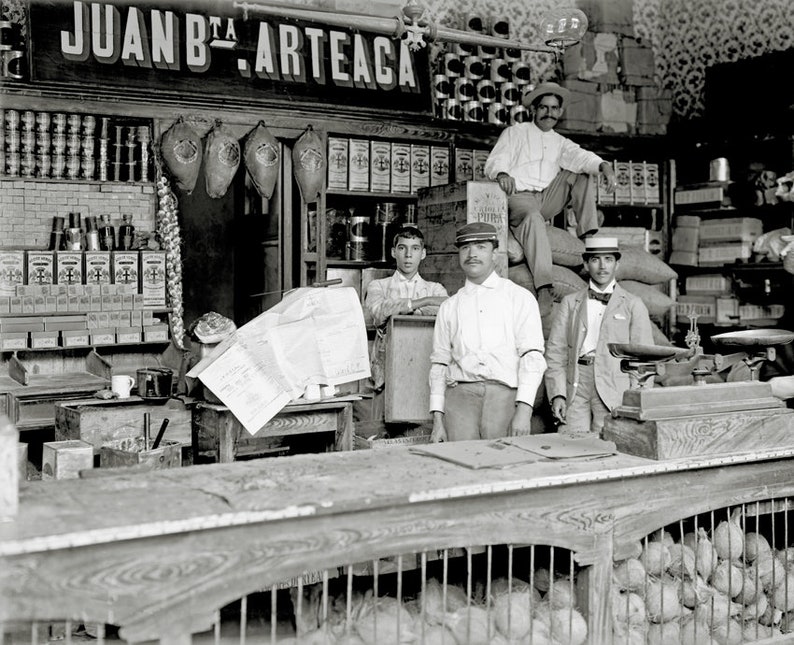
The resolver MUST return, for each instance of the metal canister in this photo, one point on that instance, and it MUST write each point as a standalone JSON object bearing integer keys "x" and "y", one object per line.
{"x": 522, "y": 73}
{"x": 89, "y": 125}
{"x": 486, "y": 92}
{"x": 410, "y": 214}
{"x": 73, "y": 166}
{"x": 59, "y": 143}
{"x": 452, "y": 66}
{"x": 10, "y": 35}
{"x": 719, "y": 170}
{"x": 13, "y": 164}
{"x": 473, "y": 111}
{"x": 13, "y": 64}
{"x": 500, "y": 27}
{"x": 465, "y": 90}
{"x": 58, "y": 166}
{"x": 441, "y": 86}
{"x": 87, "y": 145}
{"x": 28, "y": 120}
{"x": 473, "y": 68}
{"x": 357, "y": 237}
{"x": 12, "y": 120}
{"x": 74, "y": 121}
{"x": 453, "y": 111}
{"x": 510, "y": 94}
{"x": 519, "y": 114}
{"x": 28, "y": 141}
{"x": 43, "y": 142}
{"x": 486, "y": 52}
{"x": 28, "y": 164}
{"x": 43, "y": 121}
{"x": 59, "y": 122}
{"x": 474, "y": 22}
{"x": 385, "y": 212}
{"x": 501, "y": 71}
{"x": 43, "y": 165}
{"x": 73, "y": 143}
{"x": 498, "y": 114}
{"x": 13, "y": 140}
{"x": 88, "y": 167}
{"x": 511, "y": 54}
{"x": 464, "y": 49}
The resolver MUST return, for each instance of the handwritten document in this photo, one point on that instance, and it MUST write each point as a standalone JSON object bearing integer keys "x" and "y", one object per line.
{"x": 313, "y": 336}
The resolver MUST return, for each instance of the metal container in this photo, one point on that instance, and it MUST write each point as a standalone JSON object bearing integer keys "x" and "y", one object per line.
{"x": 486, "y": 92}
{"x": 357, "y": 237}
{"x": 473, "y": 111}
{"x": 465, "y": 90}
{"x": 719, "y": 170}
{"x": 452, "y": 66}
{"x": 510, "y": 93}
{"x": 498, "y": 114}
{"x": 453, "y": 110}
{"x": 473, "y": 67}
{"x": 155, "y": 384}
{"x": 441, "y": 86}
{"x": 501, "y": 71}
{"x": 522, "y": 73}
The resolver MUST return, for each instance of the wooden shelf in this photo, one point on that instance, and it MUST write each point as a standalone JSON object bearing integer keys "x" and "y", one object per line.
{"x": 85, "y": 347}
{"x": 84, "y": 182}
{"x": 369, "y": 194}
{"x": 630, "y": 205}
{"x": 43, "y": 314}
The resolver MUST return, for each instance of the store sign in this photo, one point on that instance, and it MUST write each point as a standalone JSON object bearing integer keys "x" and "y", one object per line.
{"x": 165, "y": 48}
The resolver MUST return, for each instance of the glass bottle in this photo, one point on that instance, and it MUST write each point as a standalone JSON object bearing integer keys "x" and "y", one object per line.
{"x": 126, "y": 233}
{"x": 107, "y": 234}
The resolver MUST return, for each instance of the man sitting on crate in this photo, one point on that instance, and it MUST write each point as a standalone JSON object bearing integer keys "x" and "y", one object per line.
{"x": 487, "y": 360}
{"x": 404, "y": 292}
{"x": 542, "y": 172}
{"x": 583, "y": 380}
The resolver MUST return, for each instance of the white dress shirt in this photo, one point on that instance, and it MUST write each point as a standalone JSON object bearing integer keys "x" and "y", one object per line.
{"x": 533, "y": 157}
{"x": 595, "y": 314}
{"x": 390, "y": 296}
{"x": 488, "y": 332}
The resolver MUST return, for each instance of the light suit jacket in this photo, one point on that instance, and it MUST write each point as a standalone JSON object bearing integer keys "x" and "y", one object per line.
{"x": 625, "y": 321}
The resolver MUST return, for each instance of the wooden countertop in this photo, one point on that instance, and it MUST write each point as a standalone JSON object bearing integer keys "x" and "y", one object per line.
{"x": 69, "y": 513}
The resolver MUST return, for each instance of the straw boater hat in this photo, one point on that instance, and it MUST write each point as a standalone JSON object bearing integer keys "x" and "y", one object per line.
{"x": 601, "y": 246}
{"x": 476, "y": 232}
{"x": 547, "y": 88}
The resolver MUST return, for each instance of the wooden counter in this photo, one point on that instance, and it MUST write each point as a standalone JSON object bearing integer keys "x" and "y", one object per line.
{"x": 161, "y": 553}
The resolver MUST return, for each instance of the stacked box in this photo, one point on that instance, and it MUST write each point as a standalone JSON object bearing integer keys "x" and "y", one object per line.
{"x": 704, "y": 307}
{"x": 583, "y": 110}
{"x": 439, "y": 166}
{"x": 12, "y": 271}
{"x": 637, "y": 65}
{"x": 380, "y": 166}
{"x": 358, "y": 164}
{"x": 65, "y": 459}
{"x": 400, "y": 168}
{"x": 44, "y": 339}
{"x": 654, "y": 110}
{"x": 75, "y": 338}
{"x": 40, "y": 267}
{"x": 712, "y": 283}
{"x": 69, "y": 267}
{"x": 464, "y": 165}
{"x": 420, "y": 167}
{"x": 126, "y": 270}
{"x": 153, "y": 281}
{"x": 338, "y": 151}
{"x": 719, "y": 254}
{"x": 638, "y": 194}
{"x": 97, "y": 268}
{"x": 727, "y": 311}
{"x": 10, "y": 341}
{"x": 731, "y": 229}
{"x": 479, "y": 159}
{"x": 623, "y": 176}
{"x": 653, "y": 193}
{"x": 618, "y": 111}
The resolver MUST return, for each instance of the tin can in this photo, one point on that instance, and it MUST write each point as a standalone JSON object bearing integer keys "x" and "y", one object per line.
{"x": 59, "y": 122}
{"x": 28, "y": 164}
{"x": 43, "y": 165}
{"x": 88, "y": 167}
{"x": 501, "y": 71}
{"x": 13, "y": 63}
{"x": 510, "y": 94}
{"x": 43, "y": 121}
{"x": 43, "y": 142}
{"x": 519, "y": 114}
{"x": 13, "y": 164}
{"x": 719, "y": 170}
{"x": 500, "y": 27}
{"x": 465, "y": 90}
{"x": 464, "y": 49}
{"x": 357, "y": 237}
{"x": 75, "y": 121}
{"x": 59, "y": 143}
{"x": 58, "y": 166}
{"x": 28, "y": 120}
{"x": 473, "y": 68}
{"x": 441, "y": 86}
{"x": 87, "y": 144}
{"x": 474, "y": 22}
{"x": 486, "y": 92}
{"x": 410, "y": 214}
{"x": 385, "y": 212}
{"x": 10, "y": 35}
{"x": 511, "y": 55}
{"x": 73, "y": 143}
{"x": 473, "y": 111}
{"x": 89, "y": 125}
{"x": 12, "y": 120}
{"x": 487, "y": 52}
{"x": 28, "y": 139}
{"x": 73, "y": 166}
{"x": 452, "y": 66}
{"x": 13, "y": 140}
{"x": 522, "y": 74}
{"x": 498, "y": 114}
{"x": 453, "y": 110}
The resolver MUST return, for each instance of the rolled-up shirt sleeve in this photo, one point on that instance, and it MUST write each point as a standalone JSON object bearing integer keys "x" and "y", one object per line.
{"x": 529, "y": 345}
{"x": 440, "y": 358}
{"x": 576, "y": 159}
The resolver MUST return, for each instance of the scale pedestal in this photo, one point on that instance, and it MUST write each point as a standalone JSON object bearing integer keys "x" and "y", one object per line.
{"x": 701, "y": 419}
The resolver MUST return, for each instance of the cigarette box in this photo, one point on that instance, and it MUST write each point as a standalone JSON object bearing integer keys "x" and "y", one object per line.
{"x": 479, "y": 157}
{"x": 103, "y": 336}
{"x": 28, "y": 305}
{"x": 136, "y": 320}
{"x": 137, "y": 301}
{"x": 152, "y": 280}
{"x": 155, "y": 333}
{"x": 439, "y": 166}
{"x": 5, "y": 305}
{"x": 358, "y": 164}
{"x": 97, "y": 268}
{"x": 128, "y": 334}
{"x": 128, "y": 300}
{"x": 50, "y": 303}
{"x": 652, "y": 191}
{"x": 123, "y": 319}
{"x": 65, "y": 459}
{"x": 69, "y": 267}
{"x": 39, "y": 304}
{"x": 464, "y": 165}
{"x": 420, "y": 167}
{"x": 111, "y": 303}
{"x": 74, "y": 338}
{"x": 44, "y": 339}
{"x": 623, "y": 176}
{"x": 15, "y": 305}
{"x": 337, "y": 163}
{"x": 108, "y": 289}
{"x": 74, "y": 290}
{"x": 12, "y": 271}
{"x": 126, "y": 268}
{"x": 727, "y": 311}
{"x": 92, "y": 289}
{"x": 40, "y": 267}
{"x": 380, "y": 166}
{"x": 10, "y": 341}
{"x": 638, "y": 195}
{"x": 400, "y": 168}
{"x": 62, "y": 303}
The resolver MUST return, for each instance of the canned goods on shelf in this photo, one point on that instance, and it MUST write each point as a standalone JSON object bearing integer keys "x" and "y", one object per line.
{"x": 519, "y": 114}
{"x": 501, "y": 71}
{"x": 498, "y": 114}
{"x": 473, "y": 67}
{"x": 486, "y": 92}
{"x": 473, "y": 111}
{"x": 442, "y": 86}
{"x": 465, "y": 90}
{"x": 452, "y": 66}
{"x": 510, "y": 93}
{"x": 453, "y": 111}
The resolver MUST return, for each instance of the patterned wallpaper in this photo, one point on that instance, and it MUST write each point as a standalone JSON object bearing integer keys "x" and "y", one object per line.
{"x": 687, "y": 36}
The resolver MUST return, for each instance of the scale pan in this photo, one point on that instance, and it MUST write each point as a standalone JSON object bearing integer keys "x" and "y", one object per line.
{"x": 637, "y": 351}
{"x": 754, "y": 338}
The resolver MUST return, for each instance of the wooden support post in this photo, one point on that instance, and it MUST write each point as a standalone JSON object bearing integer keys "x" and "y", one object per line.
{"x": 9, "y": 470}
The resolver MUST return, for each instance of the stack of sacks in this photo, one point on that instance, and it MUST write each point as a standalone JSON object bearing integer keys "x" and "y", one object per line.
{"x": 639, "y": 272}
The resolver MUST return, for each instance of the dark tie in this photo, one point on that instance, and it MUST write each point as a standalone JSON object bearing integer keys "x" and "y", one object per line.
{"x": 596, "y": 295}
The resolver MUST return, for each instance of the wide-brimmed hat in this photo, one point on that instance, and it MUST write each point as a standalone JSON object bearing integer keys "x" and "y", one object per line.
{"x": 547, "y": 88}
{"x": 601, "y": 246}
{"x": 476, "y": 232}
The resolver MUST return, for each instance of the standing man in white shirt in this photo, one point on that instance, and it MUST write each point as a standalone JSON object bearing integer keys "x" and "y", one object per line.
{"x": 541, "y": 172}
{"x": 404, "y": 292}
{"x": 583, "y": 380}
{"x": 487, "y": 361}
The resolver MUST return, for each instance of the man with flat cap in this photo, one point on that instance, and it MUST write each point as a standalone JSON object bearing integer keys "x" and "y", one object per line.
{"x": 583, "y": 380}
{"x": 487, "y": 361}
{"x": 542, "y": 172}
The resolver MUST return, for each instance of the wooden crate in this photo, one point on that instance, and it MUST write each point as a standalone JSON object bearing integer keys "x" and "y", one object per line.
{"x": 99, "y": 422}
{"x": 65, "y": 459}
{"x": 442, "y": 209}
{"x": 407, "y": 393}
{"x": 129, "y": 452}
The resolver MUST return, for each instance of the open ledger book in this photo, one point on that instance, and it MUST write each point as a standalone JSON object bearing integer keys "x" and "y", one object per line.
{"x": 313, "y": 336}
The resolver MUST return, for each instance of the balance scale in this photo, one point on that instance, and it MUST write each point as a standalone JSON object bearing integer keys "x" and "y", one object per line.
{"x": 706, "y": 416}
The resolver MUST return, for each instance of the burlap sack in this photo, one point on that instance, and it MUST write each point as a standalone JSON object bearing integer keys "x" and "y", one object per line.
{"x": 521, "y": 276}
{"x": 515, "y": 254}
{"x": 566, "y": 250}
{"x": 658, "y": 336}
{"x": 565, "y": 281}
{"x": 639, "y": 265}
{"x": 657, "y": 302}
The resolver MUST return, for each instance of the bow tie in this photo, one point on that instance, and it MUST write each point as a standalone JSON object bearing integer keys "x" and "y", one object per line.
{"x": 596, "y": 295}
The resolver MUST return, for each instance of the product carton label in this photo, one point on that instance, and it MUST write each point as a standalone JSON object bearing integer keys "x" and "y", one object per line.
{"x": 380, "y": 166}
{"x": 358, "y": 164}
{"x": 479, "y": 157}
{"x": 439, "y": 166}
{"x": 152, "y": 280}
{"x": 464, "y": 164}
{"x": 128, "y": 335}
{"x": 638, "y": 195}
{"x": 43, "y": 339}
{"x": 623, "y": 176}
{"x": 337, "y": 163}
{"x": 401, "y": 168}
{"x": 97, "y": 268}
{"x": 12, "y": 271}
{"x": 420, "y": 167}
{"x": 652, "y": 191}
{"x": 74, "y": 338}
{"x": 40, "y": 269}
{"x": 126, "y": 268}
{"x": 69, "y": 267}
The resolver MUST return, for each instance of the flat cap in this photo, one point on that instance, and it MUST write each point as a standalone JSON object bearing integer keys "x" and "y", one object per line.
{"x": 476, "y": 232}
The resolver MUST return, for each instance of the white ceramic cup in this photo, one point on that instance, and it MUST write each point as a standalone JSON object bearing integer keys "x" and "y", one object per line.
{"x": 121, "y": 384}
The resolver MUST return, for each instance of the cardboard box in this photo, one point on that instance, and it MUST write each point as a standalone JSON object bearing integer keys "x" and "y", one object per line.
{"x": 126, "y": 268}
{"x": 420, "y": 167}
{"x": 479, "y": 157}
{"x": 136, "y": 320}
{"x": 71, "y": 323}
{"x": 439, "y": 165}
{"x": 727, "y": 311}
{"x": 637, "y": 66}
{"x": 40, "y": 304}
{"x": 65, "y": 459}
{"x": 28, "y": 304}
{"x": 749, "y": 313}
{"x": 15, "y": 305}
{"x": 12, "y": 271}
{"x": 358, "y": 165}
{"x": 5, "y": 305}
{"x": 108, "y": 289}
{"x": 623, "y": 176}
{"x": 44, "y": 339}
{"x": 720, "y": 254}
{"x": 129, "y": 334}
{"x": 714, "y": 194}
{"x": 337, "y": 163}
{"x": 62, "y": 303}
{"x": 51, "y": 304}
{"x": 400, "y": 168}
{"x": 111, "y": 303}
{"x": 12, "y": 325}
{"x": 76, "y": 338}
{"x": 10, "y": 341}
{"x": 638, "y": 194}
{"x": 686, "y": 238}
{"x": 69, "y": 267}
{"x": 155, "y": 334}
{"x": 103, "y": 336}
{"x": 40, "y": 267}
{"x": 97, "y": 268}
{"x": 715, "y": 283}
{"x": 464, "y": 165}
{"x": 92, "y": 289}
{"x": 153, "y": 280}
{"x": 731, "y": 229}
{"x": 583, "y": 110}
{"x": 380, "y": 166}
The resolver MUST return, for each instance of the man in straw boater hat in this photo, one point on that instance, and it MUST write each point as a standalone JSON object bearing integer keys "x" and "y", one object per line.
{"x": 487, "y": 360}
{"x": 583, "y": 380}
{"x": 542, "y": 172}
